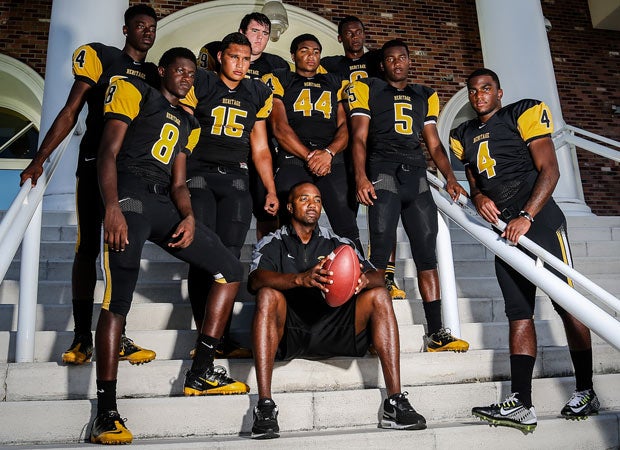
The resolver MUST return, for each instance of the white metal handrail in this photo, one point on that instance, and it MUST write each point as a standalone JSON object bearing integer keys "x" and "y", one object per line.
{"x": 22, "y": 222}
{"x": 569, "y": 134}
{"x": 19, "y": 134}
{"x": 602, "y": 323}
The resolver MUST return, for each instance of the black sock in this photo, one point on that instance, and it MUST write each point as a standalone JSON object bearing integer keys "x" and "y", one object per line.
{"x": 582, "y": 362}
{"x": 83, "y": 316}
{"x": 106, "y": 396}
{"x": 389, "y": 270}
{"x": 205, "y": 353}
{"x": 432, "y": 311}
{"x": 521, "y": 369}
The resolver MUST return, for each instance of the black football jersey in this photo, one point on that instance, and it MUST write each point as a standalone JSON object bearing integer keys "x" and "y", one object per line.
{"x": 497, "y": 150}
{"x": 157, "y": 130}
{"x": 98, "y": 65}
{"x": 353, "y": 69}
{"x": 207, "y": 56}
{"x": 397, "y": 118}
{"x": 311, "y": 104}
{"x": 266, "y": 63}
{"x": 226, "y": 117}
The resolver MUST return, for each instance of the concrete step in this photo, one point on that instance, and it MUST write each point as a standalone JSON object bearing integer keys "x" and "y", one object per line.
{"x": 59, "y": 292}
{"x": 68, "y": 421}
{"x": 177, "y": 314}
{"x": 64, "y": 251}
{"x": 175, "y": 344}
{"x": 598, "y": 432}
{"x": 164, "y": 378}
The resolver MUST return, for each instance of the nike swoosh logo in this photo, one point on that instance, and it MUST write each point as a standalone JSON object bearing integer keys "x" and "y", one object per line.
{"x": 289, "y": 156}
{"x": 580, "y": 408}
{"x": 89, "y": 159}
{"x": 375, "y": 182}
{"x": 211, "y": 383}
{"x": 290, "y": 256}
{"x": 117, "y": 77}
{"x": 507, "y": 412}
{"x": 391, "y": 415}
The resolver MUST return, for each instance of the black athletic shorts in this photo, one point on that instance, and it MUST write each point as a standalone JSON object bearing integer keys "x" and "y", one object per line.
{"x": 151, "y": 215}
{"x": 89, "y": 211}
{"x": 221, "y": 200}
{"x": 548, "y": 231}
{"x": 402, "y": 191}
{"x": 314, "y": 329}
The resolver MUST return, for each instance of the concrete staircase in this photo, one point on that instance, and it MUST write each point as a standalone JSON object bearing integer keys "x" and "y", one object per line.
{"x": 332, "y": 403}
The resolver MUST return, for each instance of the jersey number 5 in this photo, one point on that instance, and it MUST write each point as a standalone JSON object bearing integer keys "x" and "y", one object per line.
{"x": 484, "y": 161}
{"x": 403, "y": 123}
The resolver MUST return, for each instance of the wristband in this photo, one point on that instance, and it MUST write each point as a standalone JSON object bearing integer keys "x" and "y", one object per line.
{"x": 527, "y": 215}
{"x": 329, "y": 151}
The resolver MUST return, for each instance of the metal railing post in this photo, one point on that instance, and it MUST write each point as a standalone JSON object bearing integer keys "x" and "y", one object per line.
{"x": 447, "y": 279}
{"x": 28, "y": 285}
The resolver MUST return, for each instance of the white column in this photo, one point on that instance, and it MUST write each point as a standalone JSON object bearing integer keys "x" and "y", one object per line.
{"x": 72, "y": 24}
{"x": 515, "y": 46}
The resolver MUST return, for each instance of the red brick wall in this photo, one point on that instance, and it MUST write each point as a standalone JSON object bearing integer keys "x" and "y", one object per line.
{"x": 443, "y": 36}
{"x": 23, "y": 31}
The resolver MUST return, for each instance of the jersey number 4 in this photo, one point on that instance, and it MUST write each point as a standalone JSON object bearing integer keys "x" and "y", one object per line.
{"x": 484, "y": 161}
{"x": 304, "y": 104}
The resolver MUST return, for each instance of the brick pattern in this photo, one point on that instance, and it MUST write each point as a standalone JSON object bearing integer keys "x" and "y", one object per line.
{"x": 445, "y": 43}
{"x": 30, "y": 47}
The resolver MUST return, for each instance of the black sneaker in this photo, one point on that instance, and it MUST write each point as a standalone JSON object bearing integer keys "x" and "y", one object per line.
{"x": 581, "y": 405}
{"x": 214, "y": 380}
{"x": 399, "y": 414}
{"x": 109, "y": 428}
{"x": 265, "y": 420}
{"x": 509, "y": 413}
{"x": 133, "y": 353}
{"x": 443, "y": 341}
{"x": 81, "y": 350}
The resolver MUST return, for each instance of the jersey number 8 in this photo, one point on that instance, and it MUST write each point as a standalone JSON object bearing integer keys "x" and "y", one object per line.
{"x": 163, "y": 148}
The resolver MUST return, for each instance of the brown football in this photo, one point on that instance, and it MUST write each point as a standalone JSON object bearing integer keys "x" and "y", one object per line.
{"x": 345, "y": 266}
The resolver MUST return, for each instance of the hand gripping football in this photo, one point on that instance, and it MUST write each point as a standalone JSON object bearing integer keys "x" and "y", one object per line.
{"x": 345, "y": 266}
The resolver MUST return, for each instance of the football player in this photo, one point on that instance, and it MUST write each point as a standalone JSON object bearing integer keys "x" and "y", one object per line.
{"x": 357, "y": 63}
{"x": 94, "y": 66}
{"x": 232, "y": 111}
{"x": 142, "y": 174}
{"x": 309, "y": 123}
{"x": 257, "y": 28}
{"x": 512, "y": 171}
{"x": 387, "y": 119}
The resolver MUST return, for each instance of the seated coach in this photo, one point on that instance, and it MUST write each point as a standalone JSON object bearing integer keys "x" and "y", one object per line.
{"x": 293, "y": 320}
